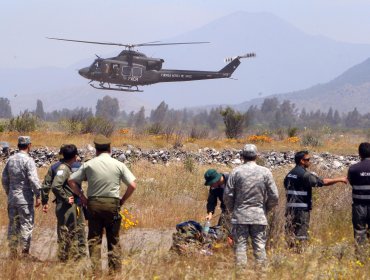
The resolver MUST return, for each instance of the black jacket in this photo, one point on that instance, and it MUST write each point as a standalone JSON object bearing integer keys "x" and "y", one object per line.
{"x": 359, "y": 178}
{"x": 216, "y": 193}
{"x": 298, "y": 184}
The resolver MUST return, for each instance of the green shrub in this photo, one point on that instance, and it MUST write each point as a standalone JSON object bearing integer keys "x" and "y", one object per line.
{"x": 198, "y": 133}
{"x": 189, "y": 164}
{"x": 2, "y": 127}
{"x": 25, "y": 122}
{"x": 292, "y": 131}
{"x": 311, "y": 140}
{"x": 98, "y": 125}
{"x": 71, "y": 126}
{"x": 155, "y": 129}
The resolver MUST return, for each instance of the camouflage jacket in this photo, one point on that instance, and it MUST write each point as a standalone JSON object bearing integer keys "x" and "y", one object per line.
{"x": 20, "y": 180}
{"x": 59, "y": 186}
{"x": 49, "y": 177}
{"x": 250, "y": 193}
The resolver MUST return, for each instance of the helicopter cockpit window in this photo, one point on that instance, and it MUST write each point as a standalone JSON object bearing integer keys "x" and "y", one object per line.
{"x": 115, "y": 69}
{"x": 96, "y": 65}
{"x": 126, "y": 71}
{"x": 136, "y": 72}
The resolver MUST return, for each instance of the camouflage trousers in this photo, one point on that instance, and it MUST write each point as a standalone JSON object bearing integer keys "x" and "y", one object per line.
{"x": 71, "y": 231}
{"x": 241, "y": 233}
{"x": 21, "y": 219}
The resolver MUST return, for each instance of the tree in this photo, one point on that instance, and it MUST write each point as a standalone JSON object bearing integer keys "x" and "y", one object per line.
{"x": 107, "y": 107}
{"x": 214, "y": 117}
{"x": 5, "y": 109}
{"x": 233, "y": 122}
{"x": 140, "y": 118}
{"x": 40, "y": 110}
{"x": 159, "y": 114}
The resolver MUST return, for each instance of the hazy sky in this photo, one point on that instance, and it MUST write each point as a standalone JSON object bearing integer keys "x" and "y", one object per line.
{"x": 24, "y": 24}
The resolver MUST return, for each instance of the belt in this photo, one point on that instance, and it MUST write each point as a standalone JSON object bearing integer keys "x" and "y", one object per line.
{"x": 105, "y": 197}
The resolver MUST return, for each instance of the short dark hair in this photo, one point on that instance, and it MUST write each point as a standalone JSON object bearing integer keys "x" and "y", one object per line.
{"x": 248, "y": 157}
{"x": 364, "y": 150}
{"x": 299, "y": 156}
{"x": 23, "y": 146}
{"x": 102, "y": 148}
{"x": 69, "y": 151}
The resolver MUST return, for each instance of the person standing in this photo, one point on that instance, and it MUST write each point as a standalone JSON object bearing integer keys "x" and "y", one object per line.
{"x": 104, "y": 175}
{"x": 21, "y": 184}
{"x": 298, "y": 184}
{"x": 359, "y": 178}
{"x": 249, "y": 195}
{"x": 69, "y": 213}
{"x": 45, "y": 190}
{"x": 216, "y": 182}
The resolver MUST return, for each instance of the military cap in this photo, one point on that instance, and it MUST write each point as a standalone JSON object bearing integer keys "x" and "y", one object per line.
{"x": 101, "y": 140}
{"x": 24, "y": 140}
{"x": 250, "y": 150}
{"x": 211, "y": 176}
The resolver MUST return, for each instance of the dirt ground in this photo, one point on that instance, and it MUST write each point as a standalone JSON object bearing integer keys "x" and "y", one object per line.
{"x": 133, "y": 241}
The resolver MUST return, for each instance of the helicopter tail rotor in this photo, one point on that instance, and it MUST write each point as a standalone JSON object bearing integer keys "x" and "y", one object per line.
{"x": 233, "y": 63}
{"x": 248, "y": 55}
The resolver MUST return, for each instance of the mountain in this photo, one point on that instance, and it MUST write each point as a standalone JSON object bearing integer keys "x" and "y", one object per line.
{"x": 287, "y": 60}
{"x": 349, "y": 90}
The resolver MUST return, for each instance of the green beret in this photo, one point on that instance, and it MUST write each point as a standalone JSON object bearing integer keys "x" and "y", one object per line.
{"x": 101, "y": 140}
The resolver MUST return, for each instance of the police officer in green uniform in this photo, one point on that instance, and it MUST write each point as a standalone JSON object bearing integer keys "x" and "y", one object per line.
{"x": 69, "y": 213}
{"x": 104, "y": 175}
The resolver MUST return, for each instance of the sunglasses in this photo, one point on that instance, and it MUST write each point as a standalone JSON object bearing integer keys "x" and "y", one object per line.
{"x": 306, "y": 159}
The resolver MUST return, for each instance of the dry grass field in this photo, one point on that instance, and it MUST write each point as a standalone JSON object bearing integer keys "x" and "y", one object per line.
{"x": 167, "y": 195}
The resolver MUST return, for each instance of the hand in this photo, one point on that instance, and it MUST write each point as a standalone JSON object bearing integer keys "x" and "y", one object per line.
{"x": 209, "y": 216}
{"x": 45, "y": 208}
{"x": 38, "y": 202}
{"x": 71, "y": 200}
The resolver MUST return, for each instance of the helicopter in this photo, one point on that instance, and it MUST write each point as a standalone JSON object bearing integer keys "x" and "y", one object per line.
{"x": 131, "y": 69}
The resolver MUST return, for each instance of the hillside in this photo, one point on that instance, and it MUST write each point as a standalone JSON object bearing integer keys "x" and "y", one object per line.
{"x": 349, "y": 90}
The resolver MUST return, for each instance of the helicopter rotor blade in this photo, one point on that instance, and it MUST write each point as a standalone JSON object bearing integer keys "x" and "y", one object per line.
{"x": 90, "y": 42}
{"x": 166, "y": 44}
{"x": 154, "y": 43}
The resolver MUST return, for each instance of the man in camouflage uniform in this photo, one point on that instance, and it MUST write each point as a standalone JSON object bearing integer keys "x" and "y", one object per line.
{"x": 104, "y": 175}
{"x": 21, "y": 184}
{"x": 45, "y": 190}
{"x": 249, "y": 194}
{"x": 69, "y": 213}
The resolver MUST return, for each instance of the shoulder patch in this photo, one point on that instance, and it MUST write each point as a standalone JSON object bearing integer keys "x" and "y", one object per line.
{"x": 62, "y": 166}
{"x": 60, "y": 172}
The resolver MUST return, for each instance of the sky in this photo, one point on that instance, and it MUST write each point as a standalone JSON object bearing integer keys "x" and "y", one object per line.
{"x": 24, "y": 24}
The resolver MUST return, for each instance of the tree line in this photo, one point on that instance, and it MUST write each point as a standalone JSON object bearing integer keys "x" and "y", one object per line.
{"x": 271, "y": 114}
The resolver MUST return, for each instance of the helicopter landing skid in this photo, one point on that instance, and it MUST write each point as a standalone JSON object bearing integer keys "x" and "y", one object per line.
{"x": 117, "y": 87}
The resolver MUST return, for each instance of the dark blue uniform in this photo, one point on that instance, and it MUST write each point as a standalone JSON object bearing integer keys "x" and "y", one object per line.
{"x": 359, "y": 178}
{"x": 298, "y": 184}
{"x": 218, "y": 194}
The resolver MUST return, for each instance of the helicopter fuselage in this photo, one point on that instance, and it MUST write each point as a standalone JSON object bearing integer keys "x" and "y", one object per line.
{"x": 121, "y": 72}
